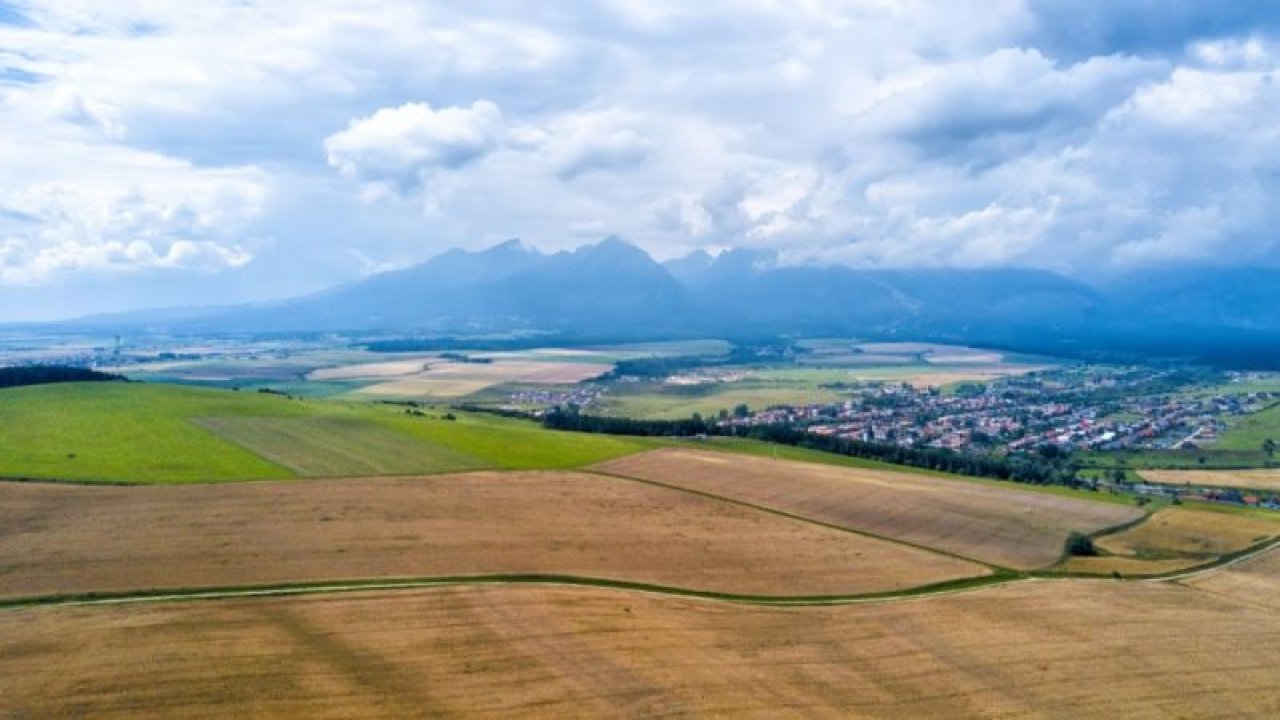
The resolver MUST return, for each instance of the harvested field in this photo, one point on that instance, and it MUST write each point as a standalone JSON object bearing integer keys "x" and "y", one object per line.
{"x": 1174, "y": 532}
{"x": 336, "y": 446}
{"x": 1071, "y": 649}
{"x": 455, "y": 379}
{"x": 1256, "y": 580}
{"x": 59, "y": 539}
{"x": 938, "y": 377}
{"x": 1008, "y": 527}
{"x": 1245, "y": 479}
{"x": 392, "y": 368}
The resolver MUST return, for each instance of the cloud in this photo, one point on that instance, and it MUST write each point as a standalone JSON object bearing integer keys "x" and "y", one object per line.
{"x": 123, "y": 211}
{"x": 21, "y": 264}
{"x": 398, "y": 146}
{"x": 1004, "y": 102}
{"x": 589, "y": 142}
{"x": 145, "y": 140}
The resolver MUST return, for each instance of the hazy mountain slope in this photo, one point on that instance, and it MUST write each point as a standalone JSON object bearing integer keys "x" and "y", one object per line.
{"x": 614, "y": 290}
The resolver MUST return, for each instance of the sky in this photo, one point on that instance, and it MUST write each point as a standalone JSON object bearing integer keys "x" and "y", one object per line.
{"x": 157, "y": 153}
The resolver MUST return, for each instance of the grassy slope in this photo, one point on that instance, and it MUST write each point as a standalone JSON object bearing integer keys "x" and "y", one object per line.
{"x": 1250, "y": 431}
{"x": 511, "y": 444}
{"x": 145, "y": 433}
{"x": 128, "y": 432}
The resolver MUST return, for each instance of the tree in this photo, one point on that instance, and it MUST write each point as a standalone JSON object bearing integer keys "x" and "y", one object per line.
{"x": 741, "y": 411}
{"x": 1080, "y": 545}
{"x": 1269, "y": 447}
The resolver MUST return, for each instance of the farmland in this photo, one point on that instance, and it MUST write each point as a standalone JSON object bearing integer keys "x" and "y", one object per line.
{"x": 326, "y": 446}
{"x": 152, "y": 434}
{"x": 1002, "y": 526}
{"x": 1255, "y": 581}
{"x": 802, "y": 384}
{"x": 472, "y": 524}
{"x": 1261, "y": 479}
{"x": 1063, "y": 649}
{"x": 1196, "y": 533}
{"x": 660, "y": 401}
{"x": 554, "y": 574}
{"x": 447, "y": 380}
{"x": 1174, "y": 538}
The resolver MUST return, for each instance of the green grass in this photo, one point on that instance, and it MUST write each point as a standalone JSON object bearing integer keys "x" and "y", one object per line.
{"x": 762, "y": 389}
{"x": 332, "y": 446}
{"x": 135, "y": 433}
{"x": 129, "y": 432}
{"x": 1250, "y": 431}
{"x": 1214, "y": 458}
{"x": 513, "y": 444}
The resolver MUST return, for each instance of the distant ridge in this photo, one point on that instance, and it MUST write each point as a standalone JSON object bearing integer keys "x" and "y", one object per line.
{"x": 613, "y": 289}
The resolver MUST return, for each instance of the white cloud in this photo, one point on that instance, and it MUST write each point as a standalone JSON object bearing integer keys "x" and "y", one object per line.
{"x": 397, "y": 146}
{"x": 124, "y": 210}
{"x": 581, "y": 143}
{"x": 146, "y": 134}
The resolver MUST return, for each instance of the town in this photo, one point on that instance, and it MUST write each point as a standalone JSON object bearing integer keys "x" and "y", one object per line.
{"x": 1073, "y": 408}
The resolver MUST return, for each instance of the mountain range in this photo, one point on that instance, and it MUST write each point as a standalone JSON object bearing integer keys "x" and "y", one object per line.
{"x": 613, "y": 290}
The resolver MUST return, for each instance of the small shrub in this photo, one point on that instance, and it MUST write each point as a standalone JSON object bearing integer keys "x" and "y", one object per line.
{"x": 1080, "y": 545}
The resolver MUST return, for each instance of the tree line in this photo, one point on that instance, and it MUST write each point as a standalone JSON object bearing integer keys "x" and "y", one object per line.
{"x": 1049, "y": 467}
{"x": 20, "y": 375}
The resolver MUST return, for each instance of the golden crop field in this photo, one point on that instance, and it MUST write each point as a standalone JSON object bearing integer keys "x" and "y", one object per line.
{"x": 1195, "y": 533}
{"x": 1003, "y": 526}
{"x": 390, "y": 368}
{"x": 1047, "y": 649}
{"x": 1268, "y": 479}
{"x": 456, "y": 379}
{"x": 63, "y": 539}
{"x": 1255, "y": 580}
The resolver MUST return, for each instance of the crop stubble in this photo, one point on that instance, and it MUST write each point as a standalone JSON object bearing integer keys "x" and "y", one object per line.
{"x": 1062, "y": 649}
{"x": 1007, "y": 527}
{"x": 57, "y": 539}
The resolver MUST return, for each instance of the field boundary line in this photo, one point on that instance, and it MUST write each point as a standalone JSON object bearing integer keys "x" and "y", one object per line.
{"x": 1174, "y": 576}
{"x": 949, "y": 587}
{"x": 996, "y": 569}
{"x": 922, "y": 592}
{"x": 1222, "y": 564}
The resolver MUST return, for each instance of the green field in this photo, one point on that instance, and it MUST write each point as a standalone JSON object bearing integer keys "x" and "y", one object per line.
{"x": 768, "y": 386}
{"x": 119, "y": 432}
{"x": 761, "y": 389}
{"x": 1098, "y": 462}
{"x": 327, "y": 446}
{"x": 1248, "y": 433}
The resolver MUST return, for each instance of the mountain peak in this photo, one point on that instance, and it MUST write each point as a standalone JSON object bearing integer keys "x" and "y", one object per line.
{"x": 510, "y": 245}
{"x": 612, "y": 249}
